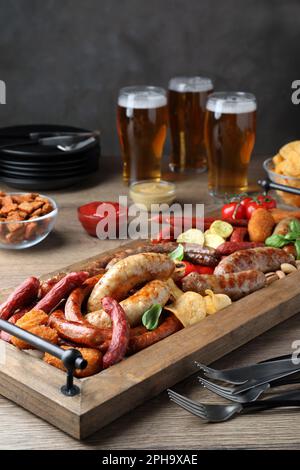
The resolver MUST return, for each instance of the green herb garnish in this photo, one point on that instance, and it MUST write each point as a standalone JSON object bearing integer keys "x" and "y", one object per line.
{"x": 151, "y": 317}
{"x": 177, "y": 254}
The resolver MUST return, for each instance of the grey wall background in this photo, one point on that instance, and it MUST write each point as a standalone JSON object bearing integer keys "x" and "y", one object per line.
{"x": 64, "y": 60}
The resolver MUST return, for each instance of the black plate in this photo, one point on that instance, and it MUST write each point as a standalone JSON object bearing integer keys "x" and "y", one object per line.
{"x": 43, "y": 169}
{"x": 43, "y": 175}
{"x": 43, "y": 185}
{"x": 37, "y": 149}
{"x": 42, "y": 164}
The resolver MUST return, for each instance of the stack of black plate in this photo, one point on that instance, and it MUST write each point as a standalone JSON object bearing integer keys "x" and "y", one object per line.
{"x": 37, "y": 167}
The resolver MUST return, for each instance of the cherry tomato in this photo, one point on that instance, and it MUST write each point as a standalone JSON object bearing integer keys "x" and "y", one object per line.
{"x": 245, "y": 201}
{"x": 196, "y": 268}
{"x": 233, "y": 210}
{"x": 251, "y": 207}
{"x": 266, "y": 201}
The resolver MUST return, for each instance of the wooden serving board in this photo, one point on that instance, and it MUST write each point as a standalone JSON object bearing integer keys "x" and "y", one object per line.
{"x": 35, "y": 385}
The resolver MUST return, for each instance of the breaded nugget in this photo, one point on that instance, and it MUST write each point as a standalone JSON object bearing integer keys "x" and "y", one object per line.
{"x": 260, "y": 225}
{"x": 45, "y": 332}
{"x": 33, "y": 318}
{"x": 93, "y": 357}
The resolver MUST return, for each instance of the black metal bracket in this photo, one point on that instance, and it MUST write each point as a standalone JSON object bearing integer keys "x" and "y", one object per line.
{"x": 267, "y": 184}
{"x": 71, "y": 358}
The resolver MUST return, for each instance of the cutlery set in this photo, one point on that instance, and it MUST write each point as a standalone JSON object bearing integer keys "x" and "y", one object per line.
{"x": 242, "y": 386}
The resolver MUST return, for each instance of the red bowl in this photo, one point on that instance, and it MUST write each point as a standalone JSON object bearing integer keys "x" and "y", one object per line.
{"x": 89, "y": 218}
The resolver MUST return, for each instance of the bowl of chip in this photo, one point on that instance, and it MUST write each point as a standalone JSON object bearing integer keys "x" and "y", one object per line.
{"x": 284, "y": 168}
{"x": 25, "y": 219}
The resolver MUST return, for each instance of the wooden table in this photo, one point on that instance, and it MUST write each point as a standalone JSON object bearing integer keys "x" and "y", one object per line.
{"x": 158, "y": 423}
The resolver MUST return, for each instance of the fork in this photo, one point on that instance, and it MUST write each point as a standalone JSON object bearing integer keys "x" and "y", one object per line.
{"x": 241, "y": 375}
{"x": 220, "y": 413}
{"x": 249, "y": 395}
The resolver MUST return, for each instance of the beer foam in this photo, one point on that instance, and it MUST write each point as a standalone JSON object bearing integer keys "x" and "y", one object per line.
{"x": 190, "y": 84}
{"x": 142, "y": 100}
{"x": 231, "y": 103}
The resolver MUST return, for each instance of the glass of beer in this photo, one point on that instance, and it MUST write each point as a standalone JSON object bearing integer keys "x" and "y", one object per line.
{"x": 187, "y": 102}
{"x": 230, "y": 125}
{"x": 142, "y": 122}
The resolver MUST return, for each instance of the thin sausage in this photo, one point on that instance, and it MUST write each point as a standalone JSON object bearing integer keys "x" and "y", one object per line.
{"x": 154, "y": 292}
{"x": 239, "y": 234}
{"x": 61, "y": 290}
{"x": 120, "y": 334}
{"x": 227, "y": 248}
{"x": 169, "y": 326}
{"x": 79, "y": 333}
{"x": 128, "y": 273}
{"x": 235, "y": 285}
{"x": 193, "y": 251}
{"x": 76, "y": 298}
{"x": 23, "y": 295}
{"x": 263, "y": 259}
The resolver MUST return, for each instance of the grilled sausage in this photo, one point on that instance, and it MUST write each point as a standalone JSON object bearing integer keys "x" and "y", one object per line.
{"x": 61, "y": 290}
{"x": 235, "y": 285}
{"x": 22, "y": 296}
{"x": 263, "y": 259}
{"x": 79, "y": 333}
{"x": 169, "y": 326}
{"x": 154, "y": 292}
{"x": 76, "y": 298}
{"x": 227, "y": 248}
{"x": 120, "y": 334}
{"x": 192, "y": 251}
{"x": 128, "y": 273}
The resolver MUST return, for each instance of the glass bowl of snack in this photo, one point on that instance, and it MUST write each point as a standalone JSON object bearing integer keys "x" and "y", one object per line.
{"x": 284, "y": 168}
{"x": 25, "y": 219}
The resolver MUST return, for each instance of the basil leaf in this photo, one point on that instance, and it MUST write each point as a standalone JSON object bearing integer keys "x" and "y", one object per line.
{"x": 297, "y": 246}
{"x": 294, "y": 226}
{"x": 292, "y": 236}
{"x": 177, "y": 254}
{"x": 276, "y": 241}
{"x": 151, "y": 316}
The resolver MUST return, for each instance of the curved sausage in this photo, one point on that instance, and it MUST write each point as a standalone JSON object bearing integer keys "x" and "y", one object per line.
{"x": 61, "y": 290}
{"x": 23, "y": 295}
{"x": 79, "y": 333}
{"x": 263, "y": 259}
{"x": 196, "y": 253}
{"x": 76, "y": 298}
{"x": 227, "y": 248}
{"x": 154, "y": 292}
{"x": 235, "y": 285}
{"x": 128, "y": 273}
{"x": 91, "y": 268}
{"x": 169, "y": 326}
{"x": 120, "y": 334}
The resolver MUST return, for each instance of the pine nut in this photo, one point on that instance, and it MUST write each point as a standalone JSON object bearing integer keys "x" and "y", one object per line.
{"x": 280, "y": 274}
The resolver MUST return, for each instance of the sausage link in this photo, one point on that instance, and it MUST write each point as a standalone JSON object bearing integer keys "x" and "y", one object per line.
{"x": 76, "y": 298}
{"x": 120, "y": 335}
{"x": 61, "y": 290}
{"x": 235, "y": 285}
{"x": 263, "y": 259}
{"x": 23, "y": 295}
{"x": 227, "y": 248}
{"x": 194, "y": 252}
{"x": 79, "y": 333}
{"x": 239, "y": 234}
{"x": 169, "y": 326}
{"x": 154, "y": 292}
{"x": 128, "y": 273}
{"x": 91, "y": 268}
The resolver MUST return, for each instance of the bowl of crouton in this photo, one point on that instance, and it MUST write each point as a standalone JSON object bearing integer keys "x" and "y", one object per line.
{"x": 25, "y": 219}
